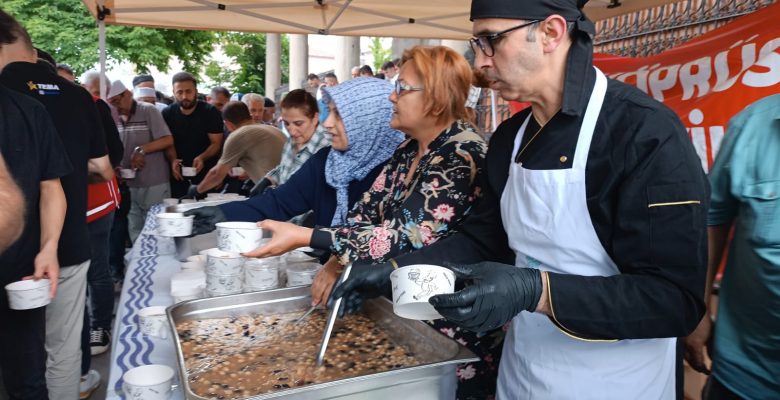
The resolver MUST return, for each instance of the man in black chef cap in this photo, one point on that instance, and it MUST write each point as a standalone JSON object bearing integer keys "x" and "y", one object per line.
{"x": 590, "y": 236}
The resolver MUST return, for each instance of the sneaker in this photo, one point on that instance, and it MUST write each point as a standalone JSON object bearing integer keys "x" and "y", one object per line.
{"x": 88, "y": 384}
{"x": 99, "y": 340}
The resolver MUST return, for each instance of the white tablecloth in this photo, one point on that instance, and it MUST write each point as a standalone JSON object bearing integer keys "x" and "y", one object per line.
{"x": 147, "y": 283}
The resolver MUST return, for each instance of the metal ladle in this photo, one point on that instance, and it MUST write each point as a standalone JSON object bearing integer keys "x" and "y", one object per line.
{"x": 334, "y": 312}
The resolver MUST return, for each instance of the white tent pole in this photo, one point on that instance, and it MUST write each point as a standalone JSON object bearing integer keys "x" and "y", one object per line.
{"x": 102, "y": 45}
{"x": 493, "y": 116}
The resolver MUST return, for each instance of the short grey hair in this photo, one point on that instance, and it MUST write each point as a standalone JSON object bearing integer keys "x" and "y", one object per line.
{"x": 249, "y": 98}
{"x": 92, "y": 76}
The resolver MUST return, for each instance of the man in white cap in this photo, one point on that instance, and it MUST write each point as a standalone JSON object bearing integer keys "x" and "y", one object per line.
{"x": 146, "y": 138}
{"x": 590, "y": 236}
{"x": 148, "y": 95}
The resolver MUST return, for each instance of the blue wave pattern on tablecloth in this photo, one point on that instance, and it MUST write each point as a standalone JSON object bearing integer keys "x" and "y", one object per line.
{"x": 135, "y": 346}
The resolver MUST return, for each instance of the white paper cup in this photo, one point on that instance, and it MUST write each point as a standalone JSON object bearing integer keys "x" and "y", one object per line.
{"x": 205, "y": 252}
{"x": 174, "y": 224}
{"x": 149, "y": 382}
{"x": 198, "y": 259}
{"x": 127, "y": 173}
{"x": 224, "y": 283}
{"x": 298, "y": 256}
{"x": 261, "y": 275}
{"x": 188, "y": 171}
{"x": 192, "y": 266}
{"x": 211, "y": 293}
{"x": 220, "y": 262}
{"x": 236, "y": 171}
{"x": 28, "y": 294}
{"x": 238, "y": 237}
{"x": 413, "y": 285}
{"x": 187, "y": 293}
{"x": 301, "y": 274}
{"x": 153, "y": 322}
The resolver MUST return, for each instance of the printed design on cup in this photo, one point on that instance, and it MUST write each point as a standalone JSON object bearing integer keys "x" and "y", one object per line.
{"x": 426, "y": 284}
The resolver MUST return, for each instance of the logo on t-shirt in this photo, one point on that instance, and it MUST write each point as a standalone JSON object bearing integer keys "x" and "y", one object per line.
{"x": 43, "y": 88}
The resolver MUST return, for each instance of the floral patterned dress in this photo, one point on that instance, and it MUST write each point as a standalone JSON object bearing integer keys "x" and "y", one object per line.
{"x": 400, "y": 214}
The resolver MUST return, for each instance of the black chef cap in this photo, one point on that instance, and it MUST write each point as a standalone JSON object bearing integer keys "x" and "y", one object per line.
{"x": 580, "y": 60}
{"x": 141, "y": 79}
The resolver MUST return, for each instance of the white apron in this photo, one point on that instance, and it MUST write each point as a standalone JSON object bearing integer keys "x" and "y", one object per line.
{"x": 546, "y": 217}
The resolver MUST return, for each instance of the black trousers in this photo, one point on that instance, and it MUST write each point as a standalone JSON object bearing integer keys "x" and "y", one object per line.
{"x": 22, "y": 352}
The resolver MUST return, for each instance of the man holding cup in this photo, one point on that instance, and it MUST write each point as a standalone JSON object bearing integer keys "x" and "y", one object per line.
{"x": 590, "y": 236}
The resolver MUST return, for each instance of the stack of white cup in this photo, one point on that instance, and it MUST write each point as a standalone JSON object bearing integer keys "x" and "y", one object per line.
{"x": 224, "y": 272}
{"x": 261, "y": 274}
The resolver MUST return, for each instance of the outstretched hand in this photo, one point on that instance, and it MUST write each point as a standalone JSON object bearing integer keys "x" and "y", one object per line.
{"x": 496, "y": 294}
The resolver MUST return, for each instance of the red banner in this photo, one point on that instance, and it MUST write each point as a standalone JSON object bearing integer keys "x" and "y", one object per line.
{"x": 708, "y": 80}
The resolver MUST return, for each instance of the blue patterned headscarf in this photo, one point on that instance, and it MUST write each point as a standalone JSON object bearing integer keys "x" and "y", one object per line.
{"x": 366, "y": 112}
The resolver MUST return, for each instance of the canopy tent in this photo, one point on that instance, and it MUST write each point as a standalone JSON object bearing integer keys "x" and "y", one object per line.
{"x": 433, "y": 19}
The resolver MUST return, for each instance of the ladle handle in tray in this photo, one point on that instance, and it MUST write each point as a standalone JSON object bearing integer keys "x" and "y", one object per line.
{"x": 331, "y": 319}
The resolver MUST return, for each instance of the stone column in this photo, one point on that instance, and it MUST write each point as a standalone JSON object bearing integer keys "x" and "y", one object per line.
{"x": 347, "y": 56}
{"x": 461, "y": 46}
{"x": 273, "y": 64}
{"x": 299, "y": 60}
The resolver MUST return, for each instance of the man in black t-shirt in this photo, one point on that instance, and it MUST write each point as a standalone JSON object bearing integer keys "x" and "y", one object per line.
{"x": 197, "y": 132}
{"x": 78, "y": 125}
{"x": 31, "y": 149}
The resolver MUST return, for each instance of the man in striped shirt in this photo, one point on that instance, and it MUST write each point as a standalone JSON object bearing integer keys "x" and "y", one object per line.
{"x": 146, "y": 138}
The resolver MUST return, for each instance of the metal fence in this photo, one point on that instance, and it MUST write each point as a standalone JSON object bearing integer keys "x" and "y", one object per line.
{"x": 651, "y": 31}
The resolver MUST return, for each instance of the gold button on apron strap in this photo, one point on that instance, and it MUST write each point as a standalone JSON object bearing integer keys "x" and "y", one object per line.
{"x": 563, "y": 159}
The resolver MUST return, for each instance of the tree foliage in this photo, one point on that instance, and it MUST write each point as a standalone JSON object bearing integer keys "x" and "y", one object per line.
{"x": 380, "y": 53}
{"x": 68, "y": 31}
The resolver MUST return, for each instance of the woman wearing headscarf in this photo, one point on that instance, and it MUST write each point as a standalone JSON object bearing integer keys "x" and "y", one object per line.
{"x": 336, "y": 176}
{"x": 424, "y": 192}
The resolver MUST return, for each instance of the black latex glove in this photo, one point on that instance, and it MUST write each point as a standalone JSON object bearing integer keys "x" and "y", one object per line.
{"x": 261, "y": 186}
{"x": 205, "y": 219}
{"x": 365, "y": 281}
{"x": 496, "y": 294}
{"x": 192, "y": 193}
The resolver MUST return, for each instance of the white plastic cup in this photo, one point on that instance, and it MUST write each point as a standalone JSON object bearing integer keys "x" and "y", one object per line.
{"x": 127, "y": 173}
{"x": 149, "y": 382}
{"x": 220, "y": 262}
{"x": 192, "y": 266}
{"x": 188, "y": 171}
{"x": 413, "y": 285}
{"x": 224, "y": 283}
{"x": 187, "y": 293}
{"x": 211, "y": 293}
{"x": 200, "y": 259}
{"x": 28, "y": 294}
{"x": 261, "y": 275}
{"x": 238, "y": 237}
{"x": 174, "y": 224}
{"x": 301, "y": 274}
{"x": 153, "y": 322}
{"x": 299, "y": 256}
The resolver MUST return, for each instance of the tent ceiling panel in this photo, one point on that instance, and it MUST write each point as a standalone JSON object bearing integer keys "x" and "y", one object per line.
{"x": 443, "y": 19}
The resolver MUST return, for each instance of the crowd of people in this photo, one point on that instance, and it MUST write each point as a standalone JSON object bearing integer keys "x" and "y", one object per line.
{"x": 579, "y": 235}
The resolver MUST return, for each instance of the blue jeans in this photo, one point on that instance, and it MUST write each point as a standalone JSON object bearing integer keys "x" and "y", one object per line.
{"x": 100, "y": 286}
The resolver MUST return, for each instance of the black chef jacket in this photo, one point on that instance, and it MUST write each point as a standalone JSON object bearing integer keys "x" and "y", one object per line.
{"x": 642, "y": 175}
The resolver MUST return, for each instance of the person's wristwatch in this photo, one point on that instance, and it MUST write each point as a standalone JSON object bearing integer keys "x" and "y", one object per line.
{"x": 139, "y": 149}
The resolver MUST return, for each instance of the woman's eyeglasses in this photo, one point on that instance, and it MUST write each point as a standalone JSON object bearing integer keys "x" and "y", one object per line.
{"x": 486, "y": 43}
{"x": 400, "y": 88}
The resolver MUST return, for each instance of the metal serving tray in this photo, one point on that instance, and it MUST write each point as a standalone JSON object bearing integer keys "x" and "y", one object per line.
{"x": 433, "y": 380}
